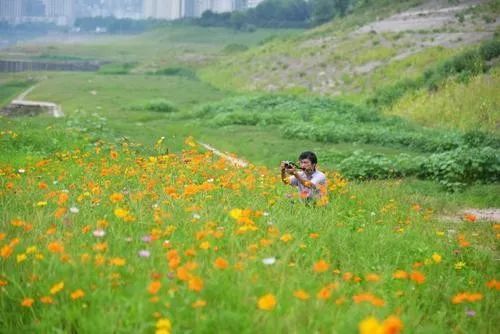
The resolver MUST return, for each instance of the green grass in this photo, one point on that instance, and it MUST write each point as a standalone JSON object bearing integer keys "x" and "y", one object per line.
{"x": 373, "y": 228}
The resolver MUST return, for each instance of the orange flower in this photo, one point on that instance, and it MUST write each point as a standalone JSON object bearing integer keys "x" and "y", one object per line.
{"x": 470, "y": 217}
{"x": 417, "y": 277}
{"x": 195, "y": 284}
{"x": 466, "y": 297}
{"x": 301, "y": 294}
{"x": 183, "y": 274}
{"x": 321, "y": 266}
{"x": 324, "y": 293}
{"x": 47, "y": 300}
{"x": 220, "y": 263}
{"x": 368, "y": 297}
{"x": 154, "y": 287}
{"x": 493, "y": 284}
{"x": 77, "y": 294}
{"x": 372, "y": 278}
{"x": 116, "y": 197}
{"x": 400, "y": 274}
{"x": 392, "y": 325}
{"x": 55, "y": 247}
{"x": 62, "y": 198}
{"x": 267, "y": 302}
{"x": 27, "y": 302}
{"x": 60, "y": 212}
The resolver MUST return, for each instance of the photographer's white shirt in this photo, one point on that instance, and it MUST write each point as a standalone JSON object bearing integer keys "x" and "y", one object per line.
{"x": 318, "y": 179}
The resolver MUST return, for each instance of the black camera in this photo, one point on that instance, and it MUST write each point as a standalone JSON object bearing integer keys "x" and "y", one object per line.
{"x": 290, "y": 164}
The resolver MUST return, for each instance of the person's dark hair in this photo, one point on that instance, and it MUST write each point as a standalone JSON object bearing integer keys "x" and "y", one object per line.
{"x": 309, "y": 155}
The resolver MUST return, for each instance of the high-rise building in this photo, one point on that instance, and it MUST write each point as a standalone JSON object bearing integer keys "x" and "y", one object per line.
{"x": 188, "y": 8}
{"x": 11, "y": 11}
{"x": 63, "y": 11}
{"x": 202, "y": 5}
{"x": 33, "y": 8}
{"x": 163, "y": 9}
{"x": 222, "y": 6}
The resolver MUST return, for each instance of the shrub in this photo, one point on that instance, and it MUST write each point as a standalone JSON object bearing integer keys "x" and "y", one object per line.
{"x": 177, "y": 71}
{"x": 463, "y": 166}
{"x": 160, "y": 105}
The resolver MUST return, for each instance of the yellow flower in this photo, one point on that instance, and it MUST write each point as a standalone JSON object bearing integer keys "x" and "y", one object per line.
{"x": 163, "y": 326}
{"x": 57, "y": 287}
{"x": 117, "y": 261}
{"x": 286, "y": 237}
{"x": 21, "y": 257}
{"x": 436, "y": 257}
{"x": 370, "y": 325}
{"x": 459, "y": 265}
{"x": 121, "y": 213}
{"x": 199, "y": 303}
{"x": 267, "y": 302}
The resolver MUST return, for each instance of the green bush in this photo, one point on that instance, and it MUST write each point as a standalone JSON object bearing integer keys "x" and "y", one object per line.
{"x": 463, "y": 166}
{"x": 116, "y": 68}
{"x": 490, "y": 49}
{"x": 160, "y": 105}
{"x": 177, "y": 71}
{"x": 235, "y": 47}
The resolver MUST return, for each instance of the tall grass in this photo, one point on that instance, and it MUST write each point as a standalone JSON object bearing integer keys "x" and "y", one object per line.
{"x": 473, "y": 105}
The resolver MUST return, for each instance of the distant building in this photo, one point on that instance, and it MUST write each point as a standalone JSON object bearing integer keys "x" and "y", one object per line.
{"x": 162, "y": 9}
{"x": 188, "y": 8}
{"x": 11, "y": 11}
{"x": 222, "y": 6}
{"x": 61, "y": 11}
{"x": 33, "y": 8}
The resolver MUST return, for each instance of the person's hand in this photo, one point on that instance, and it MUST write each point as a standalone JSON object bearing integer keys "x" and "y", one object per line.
{"x": 291, "y": 170}
{"x": 282, "y": 166}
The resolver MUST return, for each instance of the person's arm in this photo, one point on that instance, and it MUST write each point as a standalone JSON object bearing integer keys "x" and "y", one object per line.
{"x": 302, "y": 180}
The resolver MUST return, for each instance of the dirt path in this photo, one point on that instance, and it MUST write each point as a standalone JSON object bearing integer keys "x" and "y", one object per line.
{"x": 235, "y": 161}
{"x": 21, "y": 102}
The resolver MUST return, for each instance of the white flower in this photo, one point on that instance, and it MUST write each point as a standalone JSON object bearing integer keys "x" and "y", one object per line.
{"x": 144, "y": 253}
{"x": 99, "y": 233}
{"x": 196, "y": 216}
{"x": 269, "y": 260}
{"x": 74, "y": 209}
{"x": 21, "y": 171}
{"x": 265, "y": 214}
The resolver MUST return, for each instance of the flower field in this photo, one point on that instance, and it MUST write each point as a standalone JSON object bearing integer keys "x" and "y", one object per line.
{"x": 109, "y": 239}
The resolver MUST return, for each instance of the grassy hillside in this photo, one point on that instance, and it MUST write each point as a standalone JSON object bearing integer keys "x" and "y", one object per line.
{"x": 364, "y": 50}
